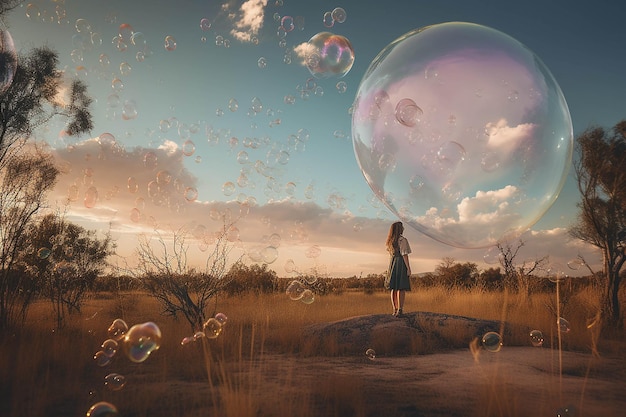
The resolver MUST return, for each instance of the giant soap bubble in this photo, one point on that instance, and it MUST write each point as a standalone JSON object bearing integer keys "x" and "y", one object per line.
{"x": 8, "y": 60}
{"x": 463, "y": 133}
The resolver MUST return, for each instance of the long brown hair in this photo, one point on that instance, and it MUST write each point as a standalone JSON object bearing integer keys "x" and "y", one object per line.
{"x": 395, "y": 231}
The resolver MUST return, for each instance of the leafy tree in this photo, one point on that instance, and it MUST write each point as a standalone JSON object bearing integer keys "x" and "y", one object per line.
{"x": 25, "y": 180}
{"x": 455, "y": 275}
{"x": 601, "y": 177}
{"x": 254, "y": 278}
{"x": 26, "y": 172}
{"x": 68, "y": 257}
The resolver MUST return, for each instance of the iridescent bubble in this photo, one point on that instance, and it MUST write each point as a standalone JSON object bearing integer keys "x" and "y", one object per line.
{"x": 328, "y": 20}
{"x": 198, "y": 335}
{"x": 169, "y": 43}
{"x": 339, "y": 15}
{"x": 329, "y": 55}
{"x": 91, "y": 197}
{"x": 290, "y": 266}
{"x": 117, "y": 329}
{"x": 205, "y": 24}
{"x": 287, "y": 23}
{"x": 341, "y": 87}
{"x": 135, "y": 215}
{"x": 141, "y": 340}
{"x": 228, "y": 188}
{"x": 371, "y": 354}
{"x": 221, "y": 318}
{"x": 407, "y": 112}
{"x": 43, "y": 253}
{"x": 101, "y": 358}
{"x": 564, "y": 326}
{"x": 191, "y": 194}
{"x": 478, "y": 189}
{"x": 212, "y": 328}
{"x": 138, "y": 39}
{"x": 82, "y": 25}
{"x": 115, "y": 382}
{"x": 129, "y": 110}
{"x": 262, "y": 62}
{"x": 295, "y": 290}
{"x": 269, "y": 254}
{"x": 132, "y": 185}
{"x": 308, "y": 296}
{"x": 109, "y": 347}
{"x": 492, "y": 341}
{"x": 189, "y": 148}
{"x": 102, "y": 409}
{"x": 233, "y": 105}
{"x": 150, "y": 160}
{"x": 575, "y": 264}
{"x": 536, "y": 338}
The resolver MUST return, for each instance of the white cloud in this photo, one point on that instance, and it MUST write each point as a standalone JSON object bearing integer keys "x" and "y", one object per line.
{"x": 249, "y": 20}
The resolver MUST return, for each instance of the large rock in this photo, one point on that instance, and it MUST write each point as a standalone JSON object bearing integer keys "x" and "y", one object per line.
{"x": 413, "y": 333}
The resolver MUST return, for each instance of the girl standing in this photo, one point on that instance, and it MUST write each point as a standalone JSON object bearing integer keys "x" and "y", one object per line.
{"x": 397, "y": 280}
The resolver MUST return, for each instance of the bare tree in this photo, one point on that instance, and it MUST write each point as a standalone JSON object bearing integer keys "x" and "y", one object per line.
{"x": 601, "y": 177}
{"x": 180, "y": 289}
{"x": 518, "y": 275}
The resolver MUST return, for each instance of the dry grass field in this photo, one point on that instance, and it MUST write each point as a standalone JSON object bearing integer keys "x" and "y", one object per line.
{"x": 261, "y": 363}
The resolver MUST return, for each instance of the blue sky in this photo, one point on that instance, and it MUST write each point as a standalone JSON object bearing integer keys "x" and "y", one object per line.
{"x": 300, "y": 177}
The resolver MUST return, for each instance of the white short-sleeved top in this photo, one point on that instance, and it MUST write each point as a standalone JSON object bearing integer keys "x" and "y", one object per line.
{"x": 403, "y": 244}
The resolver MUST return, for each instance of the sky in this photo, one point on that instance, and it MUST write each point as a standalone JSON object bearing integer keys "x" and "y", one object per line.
{"x": 207, "y": 108}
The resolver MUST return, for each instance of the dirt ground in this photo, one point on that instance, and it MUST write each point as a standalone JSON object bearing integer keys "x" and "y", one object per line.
{"x": 516, "y": 381}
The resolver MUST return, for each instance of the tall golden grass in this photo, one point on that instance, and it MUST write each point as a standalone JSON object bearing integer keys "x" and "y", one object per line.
{"x": 46, "y": 371}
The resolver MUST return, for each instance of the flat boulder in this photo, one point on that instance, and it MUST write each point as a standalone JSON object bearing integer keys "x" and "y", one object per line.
{"x": 414, "y": 333}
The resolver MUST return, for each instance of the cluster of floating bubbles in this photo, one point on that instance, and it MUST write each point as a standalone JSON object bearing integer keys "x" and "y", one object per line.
{"x": 137, "y": 342}
{"x": 463, "y": 133}
{"x": 211, "y": 329}
{"x": 298, "y": 290}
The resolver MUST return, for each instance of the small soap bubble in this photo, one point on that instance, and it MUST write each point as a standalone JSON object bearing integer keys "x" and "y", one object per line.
{"x": 212, "y": 328}
{"x": 371, "y": 354}
{"x": 117, "y": 329}
{"x": 101, "y": 358}
{"x": 295, "y": 290}
{"x": 115, "y": 382}
{"x": 407, "y": 112}
{"x": 198, "y": 335}
{"x": 262, "y": 62}
{"x": 492, "y": 341}
{"x": 308, "y": 296}
{"x": 141, "y": 340}
{"x": 221, "y": 318}
{"x": 536, "y": 338}
{"x": 328, "y": 20}
{"x": 339, "y": 15}
{"x": 169, "y": 43}
{"x": 102, "y": 409}
{"x": 109, "y": 347}
{"x": 564, "y": 326}
{"x": 205, "y": 24}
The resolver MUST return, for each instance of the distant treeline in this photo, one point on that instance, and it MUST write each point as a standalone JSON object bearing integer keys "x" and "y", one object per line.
{"x": 255, "y": 278}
